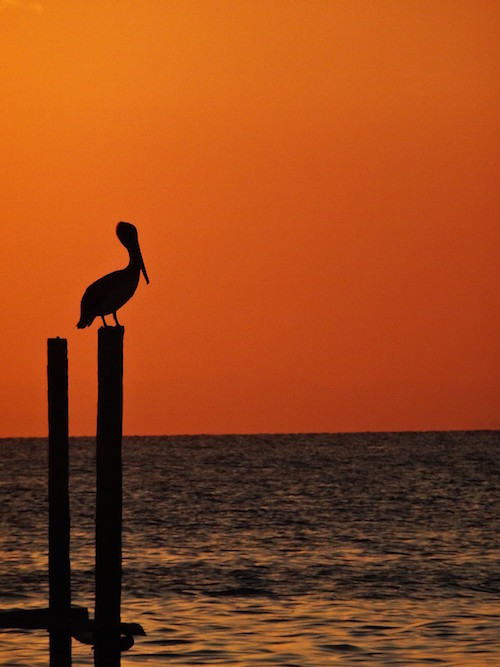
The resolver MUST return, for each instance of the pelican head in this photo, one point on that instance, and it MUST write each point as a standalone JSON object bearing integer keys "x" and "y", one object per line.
{"x": 127, "y": 234}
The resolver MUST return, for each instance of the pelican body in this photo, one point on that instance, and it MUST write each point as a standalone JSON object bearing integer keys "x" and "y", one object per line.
{"x": 111, "y": 292}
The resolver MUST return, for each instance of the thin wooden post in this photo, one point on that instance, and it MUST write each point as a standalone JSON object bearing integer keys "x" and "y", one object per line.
{"x": 109, "y": 497}
{"x": 59, "y": 519}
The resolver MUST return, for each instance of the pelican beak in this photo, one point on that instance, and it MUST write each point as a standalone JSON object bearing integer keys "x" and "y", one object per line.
{"x": 143, "y": 268}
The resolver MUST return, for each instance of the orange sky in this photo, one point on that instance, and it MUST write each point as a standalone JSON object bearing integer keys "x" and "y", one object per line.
{"x": 315, "y": 186}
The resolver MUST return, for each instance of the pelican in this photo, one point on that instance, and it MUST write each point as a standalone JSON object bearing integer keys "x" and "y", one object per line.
{"x": 111, "y": 292}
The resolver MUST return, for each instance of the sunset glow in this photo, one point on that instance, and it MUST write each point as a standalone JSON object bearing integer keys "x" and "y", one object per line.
{"x": 315, "y": 187}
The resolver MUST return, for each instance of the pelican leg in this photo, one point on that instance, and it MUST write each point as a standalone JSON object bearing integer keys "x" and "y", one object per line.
{"x": 103, "y": 320}
{"x": 116, "y": 320}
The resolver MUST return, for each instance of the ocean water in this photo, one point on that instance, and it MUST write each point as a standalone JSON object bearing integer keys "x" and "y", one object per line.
{"x": 278, "y": 550}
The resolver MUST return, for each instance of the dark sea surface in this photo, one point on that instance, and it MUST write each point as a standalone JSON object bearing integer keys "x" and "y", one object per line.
{"x": 279, "y": 550}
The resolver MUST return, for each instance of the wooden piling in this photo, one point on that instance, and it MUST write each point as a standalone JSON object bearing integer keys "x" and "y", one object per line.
{"x": 59, "y": 519}
{"x": 109, "y": 497}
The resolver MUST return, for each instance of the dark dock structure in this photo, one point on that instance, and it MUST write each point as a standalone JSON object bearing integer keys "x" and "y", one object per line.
{"x": 61, "y": 619}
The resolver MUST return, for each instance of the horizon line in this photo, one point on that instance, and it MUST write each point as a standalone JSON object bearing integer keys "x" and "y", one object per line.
{"x": 264, "y": 433}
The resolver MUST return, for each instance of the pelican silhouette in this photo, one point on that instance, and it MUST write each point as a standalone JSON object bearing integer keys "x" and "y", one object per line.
{"x": 111, "y": 292}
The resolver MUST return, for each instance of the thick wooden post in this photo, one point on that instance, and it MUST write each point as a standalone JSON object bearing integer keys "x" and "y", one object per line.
{"x": 59, "y": 520}
{"x": 109, "y": 497}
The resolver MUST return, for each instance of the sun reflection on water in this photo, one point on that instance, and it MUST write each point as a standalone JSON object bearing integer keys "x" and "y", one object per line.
{"x": 297, "y": 632}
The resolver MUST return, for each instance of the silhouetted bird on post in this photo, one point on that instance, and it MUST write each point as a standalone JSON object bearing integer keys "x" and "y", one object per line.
{"x": 111, "y": 292}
